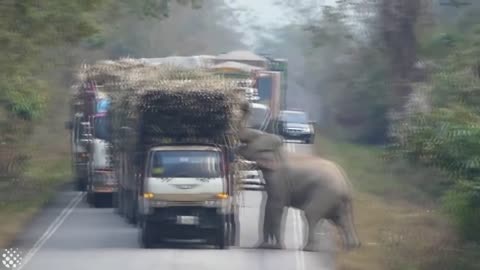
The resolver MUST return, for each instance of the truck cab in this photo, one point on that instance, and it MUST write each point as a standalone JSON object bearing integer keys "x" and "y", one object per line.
{"x": 186, "y": 194}
{"x": 78, "y": 145}
{"x": 89, "y": 145}
{"x": 102, "y": 181}
{"x": 260, "y": 118}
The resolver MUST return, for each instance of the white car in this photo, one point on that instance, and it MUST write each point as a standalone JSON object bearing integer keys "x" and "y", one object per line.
{"x": 252, "y": 178}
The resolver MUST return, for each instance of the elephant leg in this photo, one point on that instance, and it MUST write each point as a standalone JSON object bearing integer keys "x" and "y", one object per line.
{"x": 313, "y": 219}
{"x": 272, "y": 229}
{"x": 317, "y": 210}
{"x": 266, "y": 229}
{"x": 277, "y": 214}
{"x": 344, "y": 221}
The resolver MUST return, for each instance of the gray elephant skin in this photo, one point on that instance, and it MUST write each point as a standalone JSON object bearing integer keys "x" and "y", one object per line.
{"x": 318, "y": 187}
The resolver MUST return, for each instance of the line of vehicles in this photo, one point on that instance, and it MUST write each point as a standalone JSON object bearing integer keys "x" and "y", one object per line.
{"x": 178, "y": 187}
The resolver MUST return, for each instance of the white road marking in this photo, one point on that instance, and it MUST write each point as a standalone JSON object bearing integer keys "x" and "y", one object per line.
{"x": 297, "y": 227}
{"x": 52, "y": 229}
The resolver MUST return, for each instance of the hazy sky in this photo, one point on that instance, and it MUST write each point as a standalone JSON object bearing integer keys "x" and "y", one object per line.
{"x": 262, "y": 13}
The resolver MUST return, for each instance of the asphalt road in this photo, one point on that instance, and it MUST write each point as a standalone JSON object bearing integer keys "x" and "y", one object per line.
{"x": 69, "y": 234}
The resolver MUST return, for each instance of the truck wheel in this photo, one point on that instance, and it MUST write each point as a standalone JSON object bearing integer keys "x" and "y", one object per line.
{"x": 89, "y": 198}
{"x": 121, "y": 203}
{"x": 115, "y": 202}
{"x": 221, "y": 235}
{"x": 132, "y": 209}
{"x": 146, "y": 235}
{"x": 80, "y": 184}
{"x": 120, "y": 211}
{"x": 232, "y": 231}
{"x": 96, "y": 202}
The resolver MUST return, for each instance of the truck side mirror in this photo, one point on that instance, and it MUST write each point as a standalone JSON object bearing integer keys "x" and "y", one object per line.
{"x": 312, "y": 122}
{"x": 69, "y": 125}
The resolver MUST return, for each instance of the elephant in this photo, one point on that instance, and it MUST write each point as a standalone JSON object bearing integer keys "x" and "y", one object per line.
{"x": 318, "y": 187}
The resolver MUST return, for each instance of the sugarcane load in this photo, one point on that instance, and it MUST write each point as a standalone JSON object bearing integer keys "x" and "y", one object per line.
{"x": 173, "y": 130}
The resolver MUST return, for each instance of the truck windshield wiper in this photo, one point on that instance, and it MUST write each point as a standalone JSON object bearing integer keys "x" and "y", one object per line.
{"x": 182, "y": 175}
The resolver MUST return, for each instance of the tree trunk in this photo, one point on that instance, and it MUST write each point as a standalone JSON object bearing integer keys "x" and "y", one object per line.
{"x": 398, "y": 20}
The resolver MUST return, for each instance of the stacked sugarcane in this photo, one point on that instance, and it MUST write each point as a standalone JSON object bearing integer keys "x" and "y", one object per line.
{"x": 156, "y": 104}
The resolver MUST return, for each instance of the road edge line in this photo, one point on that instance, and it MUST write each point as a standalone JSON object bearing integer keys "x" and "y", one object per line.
{"x": 52, "y": 229}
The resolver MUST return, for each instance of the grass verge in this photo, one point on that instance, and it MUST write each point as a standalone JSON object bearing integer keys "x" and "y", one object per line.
{"x": 21, "y": 200}
{"x": 396, "y": 214}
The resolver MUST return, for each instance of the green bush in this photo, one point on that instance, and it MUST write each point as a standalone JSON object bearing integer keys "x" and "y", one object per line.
{"x": 24, "y": 96}
{"x": 462, "y": 203}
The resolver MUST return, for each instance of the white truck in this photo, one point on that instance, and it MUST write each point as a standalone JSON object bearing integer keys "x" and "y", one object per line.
{"x": 174, "y": 149}
{"x": 89, "y": 142}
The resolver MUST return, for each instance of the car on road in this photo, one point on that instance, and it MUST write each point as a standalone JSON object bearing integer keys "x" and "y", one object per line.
{"x": 295, "y": 125}
{"x": 252, "y": 177}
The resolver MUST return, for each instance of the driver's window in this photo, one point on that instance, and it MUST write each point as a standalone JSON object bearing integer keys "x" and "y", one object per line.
{"x": 157, "y": 169}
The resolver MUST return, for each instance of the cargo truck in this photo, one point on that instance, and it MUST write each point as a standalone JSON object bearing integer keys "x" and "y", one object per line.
{"x": 93, "y": 170}
{"x": 173, "y": 147}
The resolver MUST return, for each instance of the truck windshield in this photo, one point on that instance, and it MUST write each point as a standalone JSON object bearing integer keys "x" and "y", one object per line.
{"x": 294, "y": 117}
{"x": 201, "y": 164}
{"x": 100, "y": 128}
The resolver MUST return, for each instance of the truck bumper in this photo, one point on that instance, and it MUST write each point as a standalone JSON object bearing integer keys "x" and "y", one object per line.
{"x": 185, "y": 222}
{"x": 297, "y": 136}
{"x": 104, "y": 182}
{"x": 81, "y": 170}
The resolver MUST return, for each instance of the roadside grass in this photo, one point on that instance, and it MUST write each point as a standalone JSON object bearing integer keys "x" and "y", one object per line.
{"x": 22, "y": 199}
{"x": 395, "y": 214}
{"x": 48, "y": 168}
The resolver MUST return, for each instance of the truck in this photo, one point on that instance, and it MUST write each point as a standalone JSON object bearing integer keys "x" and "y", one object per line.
{"x": 77, "y": 125}
{"x": 267, "y": 84}
{"x": 281, "y": 65}
{"x": 173, "y": 144}
{"x": 269, "y": 76}
{"x": 92, "y": 168}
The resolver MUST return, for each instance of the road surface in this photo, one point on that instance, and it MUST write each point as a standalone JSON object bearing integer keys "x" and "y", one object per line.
{"x": 69, "y": 234}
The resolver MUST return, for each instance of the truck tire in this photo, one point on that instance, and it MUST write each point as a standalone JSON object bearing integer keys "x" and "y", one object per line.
{"x": 115, "y": 202}
{"x": 96, "y": 200}
{"x": 118, "y": 202}
{"x": 147, "y": 237}
{"x": 121, "y": 203}
{"x": 220, "y": 239}
{"x": 89, "y": 197}
{"x": 132, "y": 209}
{"x": 232, "y": 231}
{"x": 80, "y": 184}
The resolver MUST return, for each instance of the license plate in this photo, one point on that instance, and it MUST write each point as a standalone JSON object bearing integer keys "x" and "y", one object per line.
{"x": 187, "y": 220}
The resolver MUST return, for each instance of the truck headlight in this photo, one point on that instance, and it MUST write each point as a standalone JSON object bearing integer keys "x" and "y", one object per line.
{"x": 148, "y": 195}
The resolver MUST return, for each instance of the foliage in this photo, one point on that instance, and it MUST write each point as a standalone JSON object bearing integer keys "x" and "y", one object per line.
{"x": 354, "y": 98}
{"x": 26, "y": 27}
{"x": 448, "y": 137}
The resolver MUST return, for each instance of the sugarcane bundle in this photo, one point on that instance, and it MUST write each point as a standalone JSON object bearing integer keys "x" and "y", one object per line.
{"x": 155, "y": 104}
